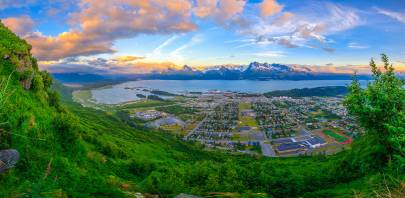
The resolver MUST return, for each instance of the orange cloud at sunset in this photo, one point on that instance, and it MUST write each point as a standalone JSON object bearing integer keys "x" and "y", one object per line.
{"x": 97, "y": 24}
{"x": 219, "y": 10}
{"x": 270, "y": 7}
{"x": 20, "y": 25}
{"x": 128, "y": 58}
{"x": 143, "y": 67}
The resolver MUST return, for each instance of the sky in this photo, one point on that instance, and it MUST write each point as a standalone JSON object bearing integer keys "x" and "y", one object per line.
{"x": 139, "y": 36}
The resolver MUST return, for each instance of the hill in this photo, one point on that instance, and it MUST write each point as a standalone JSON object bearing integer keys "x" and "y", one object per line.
{"x": 331, "y": 91}
{"x": 71, "y": 151}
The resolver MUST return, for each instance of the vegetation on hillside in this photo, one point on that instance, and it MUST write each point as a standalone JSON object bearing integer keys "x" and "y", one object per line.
{"x": 71, "y": 151}
{"x": 307, "y": 92}
{"x": 380, "y": 110}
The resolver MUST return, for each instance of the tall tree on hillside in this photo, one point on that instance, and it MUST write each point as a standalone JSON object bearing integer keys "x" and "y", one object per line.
{"x": 379, "y": 109}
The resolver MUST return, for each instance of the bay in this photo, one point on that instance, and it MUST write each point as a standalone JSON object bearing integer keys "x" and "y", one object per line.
{"x": 128, "y": 91}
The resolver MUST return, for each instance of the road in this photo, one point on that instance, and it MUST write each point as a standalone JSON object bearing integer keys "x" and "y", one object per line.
{"x": 195, "y": 129}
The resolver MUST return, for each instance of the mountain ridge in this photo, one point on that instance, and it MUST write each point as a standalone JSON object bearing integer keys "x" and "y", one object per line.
{"x": 253, "y": 71}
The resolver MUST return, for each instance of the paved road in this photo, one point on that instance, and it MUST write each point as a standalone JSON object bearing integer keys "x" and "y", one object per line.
{"x": 195, "y": 129}
{"x": 267, "y": 150}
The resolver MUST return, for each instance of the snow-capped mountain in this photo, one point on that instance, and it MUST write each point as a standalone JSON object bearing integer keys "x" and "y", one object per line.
{"x": 266, "y": 68}
{"x": 230, "y": 67}
{"x": 253, "y": 71}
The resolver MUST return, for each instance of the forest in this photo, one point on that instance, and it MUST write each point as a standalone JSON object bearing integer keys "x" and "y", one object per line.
{"x": 331, "y": 91}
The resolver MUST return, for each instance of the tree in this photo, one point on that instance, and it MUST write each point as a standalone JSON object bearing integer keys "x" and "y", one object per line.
{"x": 379, "y": 109}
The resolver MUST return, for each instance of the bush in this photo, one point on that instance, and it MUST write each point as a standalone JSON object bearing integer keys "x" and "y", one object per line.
{"x": 379, "y": 109}
{"x": 37, "y": 83}
{"x": 54, "y": 99}
{"x": 67, "y": 129}
{"x": 47, "y": 79}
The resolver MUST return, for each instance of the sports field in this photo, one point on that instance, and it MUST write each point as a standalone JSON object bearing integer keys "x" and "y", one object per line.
{"x": 334, "y": 135}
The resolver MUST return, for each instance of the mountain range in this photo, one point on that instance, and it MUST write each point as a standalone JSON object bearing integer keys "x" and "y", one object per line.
{"x": 253, "y": 71}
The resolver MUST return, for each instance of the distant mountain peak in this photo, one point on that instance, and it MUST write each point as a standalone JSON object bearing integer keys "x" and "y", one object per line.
{"x": 266, "y": 67}
{"x": 187, "y": 68}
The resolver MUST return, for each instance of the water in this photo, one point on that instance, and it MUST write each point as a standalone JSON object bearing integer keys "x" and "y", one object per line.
{"x": 120, "y": 93}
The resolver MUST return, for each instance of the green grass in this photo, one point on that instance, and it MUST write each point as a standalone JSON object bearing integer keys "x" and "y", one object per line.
{"x": 145, "y": 104}
{"x": 239, "y": 137}
{"x": 177, "y": 110}
{"x": 247, "y": 121}
{"x": 82, "y": 96}
{"x": 334, "y": 135}
{"x": 243, "y": 106}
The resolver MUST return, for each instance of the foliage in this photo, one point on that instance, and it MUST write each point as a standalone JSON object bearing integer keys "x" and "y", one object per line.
{"x": 379, "y": 109}
{"x": 162, "y": 93}
{"x": 331, "y": 91}
{"x": 155, "y": 97}
{"x": 176, "y": 109}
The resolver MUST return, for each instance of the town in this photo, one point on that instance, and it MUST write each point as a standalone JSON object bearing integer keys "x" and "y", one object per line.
{"x": 250, "y": 123}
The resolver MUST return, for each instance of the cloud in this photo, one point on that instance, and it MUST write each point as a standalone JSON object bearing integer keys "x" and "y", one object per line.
{"x": 402, "y": 62}
{"x": 176, "y": 54}
{"x": 67, "y": 44}
{"x": 99, "y": 23}
{"x": 144, "y": 67}
{"x": 329, "y": 49}
{"x": 114, "y": 65}
{"x": 355, "y": 45}
{"x": 344, "y": 69}
{"x": 270, "y": 7}
{"x": 158, "y": 49}
{"x": 21, "y": 25}
{"x": 269, "y": 54}
{"x": 4, "y": 4}
{"x": 284, "y": 18}
{"x": 128, "y": 58}
{"x": 220, "y": 11}
{"x": 395, "y": 15}
{"x": 301, "y": 28}
{"x": 98, "y": 62}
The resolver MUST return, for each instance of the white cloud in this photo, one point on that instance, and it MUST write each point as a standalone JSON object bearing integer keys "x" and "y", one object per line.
{"x": 176, "y": 55}
{"x": 395, "y": 15}
{"x": 302, "y": 28}
{"x": 355, "y": 45}
{"x": 157, "y": 51}
{"x": 269, "y": 54}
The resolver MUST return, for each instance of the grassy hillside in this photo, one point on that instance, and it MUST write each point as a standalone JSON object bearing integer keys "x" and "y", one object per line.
{"x": 70, "y": 151}
{"x": 331, "y": 91}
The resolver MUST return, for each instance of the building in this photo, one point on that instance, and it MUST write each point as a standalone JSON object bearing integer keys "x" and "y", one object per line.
{"x": 315, "y": 142}
{"x": 148, "y": 115}
{"x": 290, "y": 147}
{"x": 168, "y": 121}
{"x": 283, "y": 141}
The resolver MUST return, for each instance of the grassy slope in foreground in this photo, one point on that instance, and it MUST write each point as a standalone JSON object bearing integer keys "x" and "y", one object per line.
{"x": 67, "y": 150}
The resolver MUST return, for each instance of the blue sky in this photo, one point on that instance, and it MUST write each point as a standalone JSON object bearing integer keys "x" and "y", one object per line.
{"x": 133, "y": 36}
